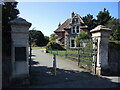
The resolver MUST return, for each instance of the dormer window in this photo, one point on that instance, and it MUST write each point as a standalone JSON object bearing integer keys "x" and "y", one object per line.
{"x": 75, "y": 20}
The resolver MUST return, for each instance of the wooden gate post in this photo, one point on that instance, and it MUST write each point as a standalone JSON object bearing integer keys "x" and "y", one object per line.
{"x": 102, "y": 34}
{"x": 54, "y": 64}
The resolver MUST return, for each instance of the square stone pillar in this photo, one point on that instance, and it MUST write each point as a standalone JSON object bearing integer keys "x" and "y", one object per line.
{"x": 19, "y": 52}
{"x": 101, "y": 33}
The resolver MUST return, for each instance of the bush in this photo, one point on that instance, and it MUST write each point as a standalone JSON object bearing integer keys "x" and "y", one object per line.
{"x": 53, "y": 45}
{"x": 83, "y": 35}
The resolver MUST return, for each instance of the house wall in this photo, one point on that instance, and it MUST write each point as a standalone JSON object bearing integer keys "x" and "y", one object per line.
{"x": 61, "y": 42}
{"x": 68, "y": 32}
{"x": 59, "y": 34}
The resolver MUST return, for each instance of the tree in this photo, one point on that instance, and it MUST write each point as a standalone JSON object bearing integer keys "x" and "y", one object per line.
{"x": 37, "y": 38}
{"x": 114, "y": 24}
{"x": 52, "y": 37}
{"x": 90, "y": 21}
{"x": 54, "y": 45}
{"x": 82, "y": 35}
{"x": 46, "y": 40}
{"x": 9, "y": 12}
{"x": 103, "y": 17}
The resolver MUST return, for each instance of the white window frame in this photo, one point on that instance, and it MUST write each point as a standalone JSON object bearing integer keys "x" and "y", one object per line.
{"x": 75, "y": 30}
{"x": 71, "y": 38}
{"x": 75, "y": 43}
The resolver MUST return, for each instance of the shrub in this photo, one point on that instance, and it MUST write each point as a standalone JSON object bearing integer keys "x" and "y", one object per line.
{"x": 82, "y": 35}
{"x": 53, "y": 45}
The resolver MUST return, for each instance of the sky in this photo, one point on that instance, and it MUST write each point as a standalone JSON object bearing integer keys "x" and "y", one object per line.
{"x": 45, "y": 16}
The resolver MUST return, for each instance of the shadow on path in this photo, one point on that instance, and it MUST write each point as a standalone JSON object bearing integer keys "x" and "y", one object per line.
{"x": 42, "y": 77}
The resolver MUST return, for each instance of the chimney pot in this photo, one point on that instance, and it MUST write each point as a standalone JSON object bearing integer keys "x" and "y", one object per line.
{"x": 73, "y": 14}
{"x": 59, "y": 24}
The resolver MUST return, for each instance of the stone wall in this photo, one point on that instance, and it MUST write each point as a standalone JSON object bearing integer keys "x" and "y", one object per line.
{"x": 114, "y": 58}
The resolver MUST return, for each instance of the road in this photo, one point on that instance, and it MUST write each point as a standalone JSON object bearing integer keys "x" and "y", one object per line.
{"x": 68, "y": 75}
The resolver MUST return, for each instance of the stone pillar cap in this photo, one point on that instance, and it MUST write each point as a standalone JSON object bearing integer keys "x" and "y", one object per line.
{"x": 20, "y": 21}
{"x": 99, "y": 28}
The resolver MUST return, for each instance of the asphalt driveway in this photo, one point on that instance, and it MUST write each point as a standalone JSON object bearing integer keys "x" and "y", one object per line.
{"x": 68, "y": 75}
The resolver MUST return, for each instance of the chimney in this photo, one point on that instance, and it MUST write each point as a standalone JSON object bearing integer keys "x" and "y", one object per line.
{"x": 73, "y": 14}
{"x": 59, "y": 24}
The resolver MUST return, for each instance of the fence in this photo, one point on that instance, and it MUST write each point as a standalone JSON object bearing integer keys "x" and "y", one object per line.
{"x": 83, "y": 55}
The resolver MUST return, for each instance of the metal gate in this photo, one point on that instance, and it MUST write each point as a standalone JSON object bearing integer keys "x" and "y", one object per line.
{"x": 88, "y": 55}
{"x": 85, "y": 54}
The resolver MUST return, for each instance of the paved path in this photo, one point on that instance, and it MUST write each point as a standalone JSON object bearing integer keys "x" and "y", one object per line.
{"x": 47, "y": 60}
{"x": 68, "y": 74}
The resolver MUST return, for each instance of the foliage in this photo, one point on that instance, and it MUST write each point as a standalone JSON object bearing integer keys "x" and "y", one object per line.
{"x": 114, "y": 24}
{"x": 53, "y": 45}
{"x": 52, "y": 37}
{"x": 37, "y": 38}
{"x": 82, "y": 35}
{"x": 46, "y": 39}
{"x": 103, "y": 17}
{"x": 89, "y": 21}
{"x": 9, "y": 12}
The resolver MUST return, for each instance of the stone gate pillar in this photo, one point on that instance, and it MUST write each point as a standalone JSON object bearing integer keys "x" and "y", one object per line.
{"x": 101, "y": 33}
{"x": 19, "y": 52}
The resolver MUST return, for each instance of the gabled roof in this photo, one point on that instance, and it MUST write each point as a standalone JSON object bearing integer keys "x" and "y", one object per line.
{"x": 67, "y": 24}
{"x": 61, "y": 28}
{"x": 79, "y": 18}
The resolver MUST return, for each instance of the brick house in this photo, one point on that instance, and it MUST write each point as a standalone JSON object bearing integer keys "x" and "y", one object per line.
{"x": 66, "y": 33}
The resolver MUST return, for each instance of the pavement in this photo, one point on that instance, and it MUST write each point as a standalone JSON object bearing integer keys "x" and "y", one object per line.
{"x": 68, "y": 74}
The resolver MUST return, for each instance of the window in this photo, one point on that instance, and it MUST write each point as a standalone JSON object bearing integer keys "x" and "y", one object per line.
{"x": 62, "y": 43}
{"x": 73, "y": 29}
{"x": 77, "y": 29}
{"x": 75, "y": 20}
{"x": 20, "y": 53}
{"x": 72, "y": 43}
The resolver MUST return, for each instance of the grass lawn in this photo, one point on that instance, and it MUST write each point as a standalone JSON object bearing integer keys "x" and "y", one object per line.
{"x": 38, "y": 48}
{"x": 63, "y": 52}
{"x": 117, "y": 42}
{"x": 67, "y": 52}
{"x": 85, "y": 59}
